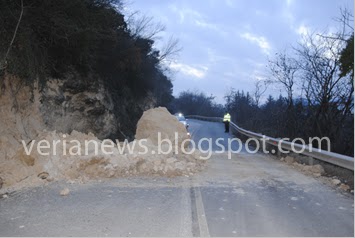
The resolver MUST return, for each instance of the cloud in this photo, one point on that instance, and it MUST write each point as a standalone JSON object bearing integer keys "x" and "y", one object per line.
{"x": 303, "y": 30}
{"x": 204, "y": 24}
{"x": 185, "y": 13}
{"x": 189, "y": 15}
{"x": 199, "y": 72}
{"x": 259, "y": 40}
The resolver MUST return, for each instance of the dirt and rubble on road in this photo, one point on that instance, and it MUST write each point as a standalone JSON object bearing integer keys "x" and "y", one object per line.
{"x": 314, "y": 170}
{"x": 69, "y": 162}
{"x": 317, "y": 171}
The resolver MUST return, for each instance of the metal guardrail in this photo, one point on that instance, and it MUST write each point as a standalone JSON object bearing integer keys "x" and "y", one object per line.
{"x": 326, "y": 156}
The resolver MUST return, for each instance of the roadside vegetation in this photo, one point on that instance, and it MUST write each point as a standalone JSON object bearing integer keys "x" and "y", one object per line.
{"x": 45, "y": 39}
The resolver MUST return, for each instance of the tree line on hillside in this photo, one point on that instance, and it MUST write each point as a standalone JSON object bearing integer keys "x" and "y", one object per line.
{"x": 196, "y": 103}
{"x": 321, "y": 67}
{"x": 43, "y": 39}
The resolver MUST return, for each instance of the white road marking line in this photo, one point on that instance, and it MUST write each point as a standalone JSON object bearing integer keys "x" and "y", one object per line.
{"x": 186, "y": 216}
{"x": 201, "y": 215}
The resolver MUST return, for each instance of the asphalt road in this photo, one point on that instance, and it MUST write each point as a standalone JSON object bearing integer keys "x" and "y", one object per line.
{"x": 249, "y": 195}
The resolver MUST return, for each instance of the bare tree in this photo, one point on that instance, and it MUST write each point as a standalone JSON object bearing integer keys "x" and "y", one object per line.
{"x": 328, "y": 92}
{"x": 170, "y": 50}
{"x": 284, "y": 70}
{"x": 260, "y": 88}
{"x": 144, "y": 26}
{"x": 347, "y": 21}
{"x": 229, "y": 98}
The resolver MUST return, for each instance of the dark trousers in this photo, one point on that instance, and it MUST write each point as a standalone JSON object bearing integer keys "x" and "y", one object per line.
{"x": 226, "y": 126}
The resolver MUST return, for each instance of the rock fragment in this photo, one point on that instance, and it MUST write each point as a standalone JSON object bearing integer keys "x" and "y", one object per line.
{"x": 336, "y": 181}
{"x": 289, "y": 159}
{"x": 65, "y": 192}
{"x": 344, "y": 187}
{"x": 317, "y": 169}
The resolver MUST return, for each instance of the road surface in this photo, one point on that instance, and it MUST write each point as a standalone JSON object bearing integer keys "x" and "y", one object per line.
{"x": 249, "y": 195}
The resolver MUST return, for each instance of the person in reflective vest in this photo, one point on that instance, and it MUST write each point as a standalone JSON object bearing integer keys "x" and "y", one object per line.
{"x": 226, "y": 120}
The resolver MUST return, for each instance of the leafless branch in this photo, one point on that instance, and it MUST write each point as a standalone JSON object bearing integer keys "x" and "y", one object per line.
{"x": 260, "y": 88}
{"x": 284, "y": 70}
{"x": 144, "y": 26}
{"x": 170, "y": 50}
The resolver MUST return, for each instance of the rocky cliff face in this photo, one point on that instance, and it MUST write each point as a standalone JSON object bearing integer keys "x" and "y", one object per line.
{"x": 62, "y": 105}
{"x": 72, "y": 104}
{"x": 20, "y": 116}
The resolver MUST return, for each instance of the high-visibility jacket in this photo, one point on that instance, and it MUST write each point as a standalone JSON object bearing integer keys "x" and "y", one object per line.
{"x": 227, "y": 117}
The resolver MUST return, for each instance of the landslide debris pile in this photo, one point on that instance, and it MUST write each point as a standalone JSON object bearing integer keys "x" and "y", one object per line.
{"x": 160, "y": 120}
{"x": 79, "y": 157}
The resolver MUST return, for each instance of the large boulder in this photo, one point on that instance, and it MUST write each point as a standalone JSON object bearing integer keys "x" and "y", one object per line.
{"x": 159, "y": 120}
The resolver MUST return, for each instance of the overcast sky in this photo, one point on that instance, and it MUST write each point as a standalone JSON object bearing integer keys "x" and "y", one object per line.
{"x": 227, "y": 43}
